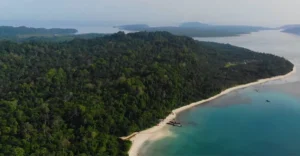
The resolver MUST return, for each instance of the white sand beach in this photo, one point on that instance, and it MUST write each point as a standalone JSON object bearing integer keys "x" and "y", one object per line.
{"x": 158, "y": 131}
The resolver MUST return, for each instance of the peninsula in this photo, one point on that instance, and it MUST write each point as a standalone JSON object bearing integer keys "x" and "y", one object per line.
{"x": 79, "y": 97}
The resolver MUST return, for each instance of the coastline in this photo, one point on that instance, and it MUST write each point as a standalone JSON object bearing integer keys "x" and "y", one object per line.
{"x": 159, "y": 131}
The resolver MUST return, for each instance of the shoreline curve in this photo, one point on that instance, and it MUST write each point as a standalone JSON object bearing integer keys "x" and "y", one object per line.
{"x": 154, "y": 133}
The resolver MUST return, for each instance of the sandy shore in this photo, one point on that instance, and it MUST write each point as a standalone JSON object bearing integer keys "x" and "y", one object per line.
{"x": 158, "y": 131}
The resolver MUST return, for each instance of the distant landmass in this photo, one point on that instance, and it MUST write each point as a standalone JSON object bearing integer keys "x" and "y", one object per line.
{"x": 14, "y": 31}
{"x": 289, "y": 26}
{"x": 24, "y": 34}
{"x": 133, "y": 27}
{"x": 193, "y": 24}
{"x": 292, "y": 29}
{"x": 197, "y": 29}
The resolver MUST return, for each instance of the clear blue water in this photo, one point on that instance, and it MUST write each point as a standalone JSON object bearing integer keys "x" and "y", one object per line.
{"x": 243, "y": 123}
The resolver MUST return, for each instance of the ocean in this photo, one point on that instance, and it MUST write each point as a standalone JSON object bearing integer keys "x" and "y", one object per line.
{"x": 261, "y": 120}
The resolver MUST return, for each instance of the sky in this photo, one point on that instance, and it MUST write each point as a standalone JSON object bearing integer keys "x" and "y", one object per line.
{"x": 155, "y": 12}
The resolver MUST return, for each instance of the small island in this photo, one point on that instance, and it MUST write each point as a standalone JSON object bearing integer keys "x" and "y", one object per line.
{"x": 79, "y": 97}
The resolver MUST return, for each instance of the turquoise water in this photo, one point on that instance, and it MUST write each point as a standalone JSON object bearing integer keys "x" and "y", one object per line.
{"x": 241, "y": 123}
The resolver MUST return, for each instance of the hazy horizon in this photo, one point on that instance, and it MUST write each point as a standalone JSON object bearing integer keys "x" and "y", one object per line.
{"x": 272, "y": 13}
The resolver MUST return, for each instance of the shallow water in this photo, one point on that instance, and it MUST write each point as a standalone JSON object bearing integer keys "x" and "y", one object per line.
{"x": 243, "y": 122}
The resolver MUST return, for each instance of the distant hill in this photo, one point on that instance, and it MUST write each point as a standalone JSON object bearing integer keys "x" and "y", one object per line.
{"x": 197, "y": 29}
{"x": 292, "y": 29}
{"x": 26, "y": 34}
{"x": 9, "y": 31}
{"x": 290, "y": 26}
{"x": 204, "y": 25}
{"x": 193, "y": 25}
{"x": 295, "y": 29}
{"x": 133, "y": 27}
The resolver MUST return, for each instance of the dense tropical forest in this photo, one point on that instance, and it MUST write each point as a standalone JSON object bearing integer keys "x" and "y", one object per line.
{"x": 79, "y": 97}
{"x": 197, "y": 29}
{"x": 55, "y": 38}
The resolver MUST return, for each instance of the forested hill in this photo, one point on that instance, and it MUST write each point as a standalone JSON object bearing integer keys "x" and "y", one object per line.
{"x": 78, "y": 97}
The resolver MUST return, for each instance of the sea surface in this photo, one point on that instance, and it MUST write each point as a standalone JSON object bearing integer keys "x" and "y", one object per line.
{"x": 261, "y": 120}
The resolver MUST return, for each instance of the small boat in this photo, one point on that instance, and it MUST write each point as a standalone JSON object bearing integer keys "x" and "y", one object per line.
{"x": 174, "y": 123}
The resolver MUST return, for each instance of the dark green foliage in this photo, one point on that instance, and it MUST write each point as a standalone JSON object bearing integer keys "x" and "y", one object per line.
{"x": 78, "y": 97}
{"x": 55, "y": 38}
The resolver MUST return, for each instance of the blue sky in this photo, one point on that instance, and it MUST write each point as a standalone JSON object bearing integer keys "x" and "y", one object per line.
{"x": 157, "y": 12}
